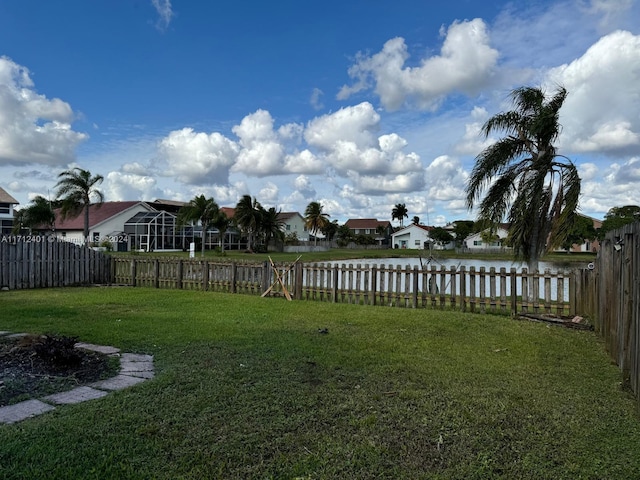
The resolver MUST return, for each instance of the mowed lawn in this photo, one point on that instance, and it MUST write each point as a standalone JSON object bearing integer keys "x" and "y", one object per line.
{"x": 250, "y": 387}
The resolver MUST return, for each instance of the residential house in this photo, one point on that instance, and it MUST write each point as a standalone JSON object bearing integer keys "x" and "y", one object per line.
{"x": 293, "y": 222}
{"x": 106, "y": 223}
{"x": 379, "y": 230}
{"x": 592, "y": 245}
{"x": 6, "y": 212}
{"x": 412, "y": 236}
{"x": 477, "y": 242}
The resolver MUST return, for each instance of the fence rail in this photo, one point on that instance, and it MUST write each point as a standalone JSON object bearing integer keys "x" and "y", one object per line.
{"x": 51, "y": 264}
{"x": 482, "y": 290}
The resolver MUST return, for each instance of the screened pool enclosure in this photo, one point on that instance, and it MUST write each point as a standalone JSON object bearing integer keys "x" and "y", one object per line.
{"x": 158, "y": 231}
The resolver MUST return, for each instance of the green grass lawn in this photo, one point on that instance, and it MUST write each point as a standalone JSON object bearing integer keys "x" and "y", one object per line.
{"x": 247, "y": 387}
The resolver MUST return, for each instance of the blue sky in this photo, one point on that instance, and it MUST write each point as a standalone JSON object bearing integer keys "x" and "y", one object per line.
{"x": 359, "y": 105}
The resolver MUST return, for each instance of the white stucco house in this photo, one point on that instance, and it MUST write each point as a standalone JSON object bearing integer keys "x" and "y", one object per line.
{"x": 413, "y": 236}
{"x": 294, "y": 223}
{"x": 475, "y": 241}
{"x": 7, "y": 203}
{"x": 105, "y": 222}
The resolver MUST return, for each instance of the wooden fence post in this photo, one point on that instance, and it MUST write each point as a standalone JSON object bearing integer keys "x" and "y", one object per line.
{"x": 334, "y": 283}
{"x": 298, "y": 279}
{"x": 514, "y": 291}
{"x": 132, "y": 271}
{"x": 205, "y": 275}
{"x": 179, "y": 271}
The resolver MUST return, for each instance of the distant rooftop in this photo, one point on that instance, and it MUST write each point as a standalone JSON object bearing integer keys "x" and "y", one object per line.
{"x": 6, "y": 198}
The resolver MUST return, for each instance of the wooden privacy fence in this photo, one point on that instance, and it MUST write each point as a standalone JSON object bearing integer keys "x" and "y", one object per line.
{"x": 481, "y": 290}
{"x": 47, "y": 262}
{"x": 615, "y": 290}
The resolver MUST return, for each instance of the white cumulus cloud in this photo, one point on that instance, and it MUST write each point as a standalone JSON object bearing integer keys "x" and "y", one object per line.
{"x": 465, "y": 64}
{"x": 33, "y": 128}
{"x": 198, "y": 158}
{"x": 601, "y": 110}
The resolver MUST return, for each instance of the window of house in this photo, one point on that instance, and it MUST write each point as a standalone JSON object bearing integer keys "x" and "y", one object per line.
{"x": 5, "y": 209}
{"x": 477, "y": 243}
{"x": 417, "y": 243}
{"x": 288, "y": 226}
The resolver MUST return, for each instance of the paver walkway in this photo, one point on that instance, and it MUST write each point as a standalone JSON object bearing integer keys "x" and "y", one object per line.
{"x": 134, "y": 368}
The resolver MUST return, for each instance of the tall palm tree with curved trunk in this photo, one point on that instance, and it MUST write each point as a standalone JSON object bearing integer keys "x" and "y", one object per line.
{"x": 76, "y": 188}
{"x": 200, "y": 209}
{"x": 525, "y": 178}
{"x": 248, "y": 216}
{"x": 315, "y": 219}
{"x": 400, "y": 212}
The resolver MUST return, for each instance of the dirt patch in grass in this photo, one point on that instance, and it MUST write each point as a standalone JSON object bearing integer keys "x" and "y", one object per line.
{"x": 37, "y": 365}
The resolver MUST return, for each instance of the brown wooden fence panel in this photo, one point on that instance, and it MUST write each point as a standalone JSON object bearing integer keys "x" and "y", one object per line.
{"x": 41, "y": 262}
{"x": 610, "y": 293}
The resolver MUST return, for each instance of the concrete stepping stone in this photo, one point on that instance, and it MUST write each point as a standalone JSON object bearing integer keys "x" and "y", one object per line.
{"x": 23, "y": 410}
{"x": 98, "y": 348}
{"x": 118, "y": 382}
{"x": 77, "y": 395}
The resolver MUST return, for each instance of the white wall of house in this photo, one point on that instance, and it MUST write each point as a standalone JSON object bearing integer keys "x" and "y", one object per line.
{"x": 6, "y": 216}
{"x": 105, "y": 228}
{"x": 412, "y": 237}
{"x": 475, "y": 242}
{"x": 295, "y": 224}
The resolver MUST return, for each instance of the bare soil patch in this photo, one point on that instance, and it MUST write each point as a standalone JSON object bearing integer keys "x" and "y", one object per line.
{"x": 37, "y": 365}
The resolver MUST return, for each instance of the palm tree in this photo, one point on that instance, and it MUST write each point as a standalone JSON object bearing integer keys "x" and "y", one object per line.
{"x": 526, "y": 180}
{"x": 400, "y": 212}
{"x": 76, "y": 188}
{"x": 222, "y": 223}
{"x": 199, "y": 209}
{"x": 247, "y": 216}
{"x": 37, "y": 215}
{"x": 271, "y": 225}
{"x": 415, "y": 220}
{"x": 315, "y": 220}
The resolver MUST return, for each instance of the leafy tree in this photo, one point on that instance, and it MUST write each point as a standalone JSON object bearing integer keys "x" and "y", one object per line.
{"x": 361, "y": 239}
{"x": 526, "y": 179}
{"x": 330, "y": 230}
{"x": 271, "y": 226}
{"x": 315, "y": 219}
{"x": 462, "y": 229}
{"x": 617, "y": 217}
{"x": 76, "y": 188}
{"x": 37, "y": 215}
{"x": 400, "y": 212}
{"x": 200, "y": 209}
{"x": 440, "y": 235}
{"x": 581, "y": 230}
{"x": 248, "y": 216}
{"x": 345, "y": 235}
